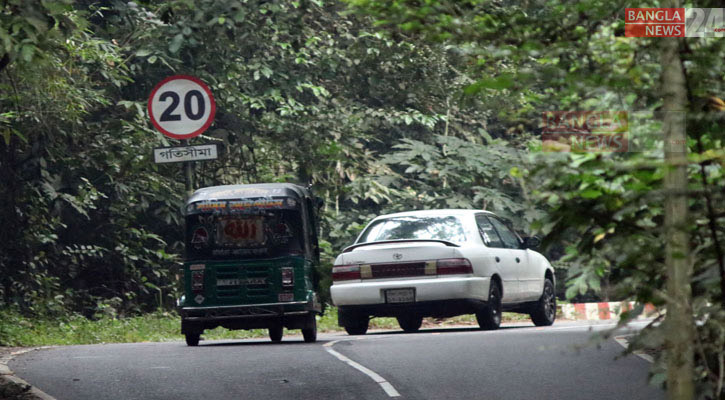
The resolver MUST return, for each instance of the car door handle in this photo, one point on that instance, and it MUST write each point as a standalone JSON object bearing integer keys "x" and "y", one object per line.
{"x": 498, "y": 259}
{"x": 517, "y": 259}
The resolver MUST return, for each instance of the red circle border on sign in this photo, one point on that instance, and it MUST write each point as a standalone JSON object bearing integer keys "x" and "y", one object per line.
{"x": 197, "y": 132}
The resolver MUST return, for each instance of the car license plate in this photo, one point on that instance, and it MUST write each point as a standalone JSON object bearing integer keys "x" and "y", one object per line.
{"x": 228, "y": 282}
{"x": 399, "y": 295}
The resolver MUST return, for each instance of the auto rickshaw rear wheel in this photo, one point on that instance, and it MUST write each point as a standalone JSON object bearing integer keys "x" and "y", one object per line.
{"x": 192, "y": 339}
{"x": 275, "y": 333}
{"x": 310, "y": 332}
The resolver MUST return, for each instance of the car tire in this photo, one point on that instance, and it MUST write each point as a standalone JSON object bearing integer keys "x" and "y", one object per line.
{"x": 489, "y": 318}
{"x": 275, "y": 333}
{"x": 353, "y": 322}
{"x": 357, "y": 329}
{"x": 410, "y": 323}
{"x": 310, "y": 332}
{"x": 192, "y": 339}
{"x": 544, "y": 310}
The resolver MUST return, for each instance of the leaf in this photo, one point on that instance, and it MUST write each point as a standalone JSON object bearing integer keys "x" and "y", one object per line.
{"x": 572, "y": 291}
{"x": 590, "y": 193}
{"x": 176, "y": 43}
{"x": 267, "y": 72}
{"x": 599, "y": 237}
{"x": 26, "y": 52}
{"x": 503, "y": 81}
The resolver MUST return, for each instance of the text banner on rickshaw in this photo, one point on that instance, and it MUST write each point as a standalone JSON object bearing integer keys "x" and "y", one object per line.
{"x": 185, "y": 153}
{"x": 674, "y": 22}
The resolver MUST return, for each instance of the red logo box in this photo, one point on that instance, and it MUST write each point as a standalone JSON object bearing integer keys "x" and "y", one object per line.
{"x": 654, "y": 22}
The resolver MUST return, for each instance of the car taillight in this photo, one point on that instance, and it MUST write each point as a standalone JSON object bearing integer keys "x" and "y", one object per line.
{"x": 448, "y": 266}
{"x": 288, "y": 277}
{"x": 197, "y": 281}
{"x": 345, "y": 272}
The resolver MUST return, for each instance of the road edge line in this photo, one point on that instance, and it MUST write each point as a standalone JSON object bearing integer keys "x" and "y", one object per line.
{"x": 624, "y": 343}
{"x": 384, "y": 384}
{"x": 8, "y": 378}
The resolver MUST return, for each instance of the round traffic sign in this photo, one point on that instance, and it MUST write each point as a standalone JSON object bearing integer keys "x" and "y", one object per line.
{"x": 181, "y": 107}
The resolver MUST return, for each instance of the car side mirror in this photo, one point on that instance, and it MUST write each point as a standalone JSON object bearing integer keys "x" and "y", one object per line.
{"x": 531, "y": 242}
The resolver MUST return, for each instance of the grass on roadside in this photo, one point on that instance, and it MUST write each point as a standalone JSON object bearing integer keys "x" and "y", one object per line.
{"x": 17, "y": 330}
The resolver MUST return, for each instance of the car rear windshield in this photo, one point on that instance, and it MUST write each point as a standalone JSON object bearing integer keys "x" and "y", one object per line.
{"x": 429, "y": 227}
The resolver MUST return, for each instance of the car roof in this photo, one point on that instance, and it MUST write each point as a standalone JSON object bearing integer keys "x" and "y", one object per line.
{"x": 258, "y": 190}
{"x": 445, "y": 211}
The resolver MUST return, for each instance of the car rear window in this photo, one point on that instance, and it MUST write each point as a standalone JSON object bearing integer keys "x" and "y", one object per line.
{"x": 435, "y": 227}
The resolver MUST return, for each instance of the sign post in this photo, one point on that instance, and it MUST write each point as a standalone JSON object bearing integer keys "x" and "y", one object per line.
{"x": 182, "y": 107}
{"x": 188, "y": 176}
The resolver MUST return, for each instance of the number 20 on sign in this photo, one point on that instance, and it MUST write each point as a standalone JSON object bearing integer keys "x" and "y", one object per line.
{"x": 181, "y": 107}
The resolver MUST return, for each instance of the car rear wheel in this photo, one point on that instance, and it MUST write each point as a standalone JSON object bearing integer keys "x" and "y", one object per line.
{"x": 489, "y": 318}
{"x": 310, "y": 332}
{"x": 353, "y": 322}
{"x": 358, "y": 328}
{"x": 410, "y": 323}
{"x": 192, "y": 339}
{"x": 275, "y": 333}
{"x": 544, "y": 311}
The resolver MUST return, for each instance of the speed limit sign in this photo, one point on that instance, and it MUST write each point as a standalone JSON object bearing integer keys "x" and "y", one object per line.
{"x": 181, "y": 107}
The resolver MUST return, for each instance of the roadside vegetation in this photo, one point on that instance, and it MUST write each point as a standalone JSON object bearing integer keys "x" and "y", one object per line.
{"x": 159, "y": 326}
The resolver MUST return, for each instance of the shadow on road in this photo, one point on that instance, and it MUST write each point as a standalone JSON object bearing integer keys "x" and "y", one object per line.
{"x": 261, "y": 342}
{"x": 456, "y": 329}
{"x": 298, "y": 341}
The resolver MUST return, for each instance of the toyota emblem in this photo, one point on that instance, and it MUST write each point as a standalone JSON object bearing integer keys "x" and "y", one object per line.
{"x": 397, "y": 256}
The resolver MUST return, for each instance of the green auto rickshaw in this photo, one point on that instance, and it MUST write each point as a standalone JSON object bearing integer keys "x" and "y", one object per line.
{"x": 251, "y": 260}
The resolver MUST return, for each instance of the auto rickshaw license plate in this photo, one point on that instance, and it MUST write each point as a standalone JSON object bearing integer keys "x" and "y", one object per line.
{"x": 228, "y": 282}
{"x": 399, "y": 295}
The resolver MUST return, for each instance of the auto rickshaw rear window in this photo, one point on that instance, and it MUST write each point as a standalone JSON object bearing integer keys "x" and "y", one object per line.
{"x": 243, "y": 229}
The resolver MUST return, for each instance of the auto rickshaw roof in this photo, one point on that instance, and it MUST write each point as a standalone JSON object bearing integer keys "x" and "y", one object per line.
{"x": 253, "y": 191}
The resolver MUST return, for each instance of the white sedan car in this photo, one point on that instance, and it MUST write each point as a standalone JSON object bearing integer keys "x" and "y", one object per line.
{"x": 441, "y": 263}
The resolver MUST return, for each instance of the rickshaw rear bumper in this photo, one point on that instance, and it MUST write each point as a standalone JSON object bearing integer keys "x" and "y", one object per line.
{"x": 250, "y": 316}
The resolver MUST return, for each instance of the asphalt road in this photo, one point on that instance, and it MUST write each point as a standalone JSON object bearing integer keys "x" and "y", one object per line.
{"x": 515, "y": 362}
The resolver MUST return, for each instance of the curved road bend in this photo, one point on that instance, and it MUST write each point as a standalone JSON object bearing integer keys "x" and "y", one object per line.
{"x": 518, "y": 361}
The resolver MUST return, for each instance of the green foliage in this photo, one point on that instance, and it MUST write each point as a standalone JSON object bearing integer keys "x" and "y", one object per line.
{"x": 304, "y": 93}
{"x": 29, "y": 28}
{"x": 17, "y": 330}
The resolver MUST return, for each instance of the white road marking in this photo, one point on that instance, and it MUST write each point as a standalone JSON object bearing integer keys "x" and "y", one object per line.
{"x": 624, "y": 343}
{"x": 387, "y": 387}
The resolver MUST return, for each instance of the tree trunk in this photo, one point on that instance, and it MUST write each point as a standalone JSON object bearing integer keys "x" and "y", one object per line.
{"x": 678, "y": 324}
